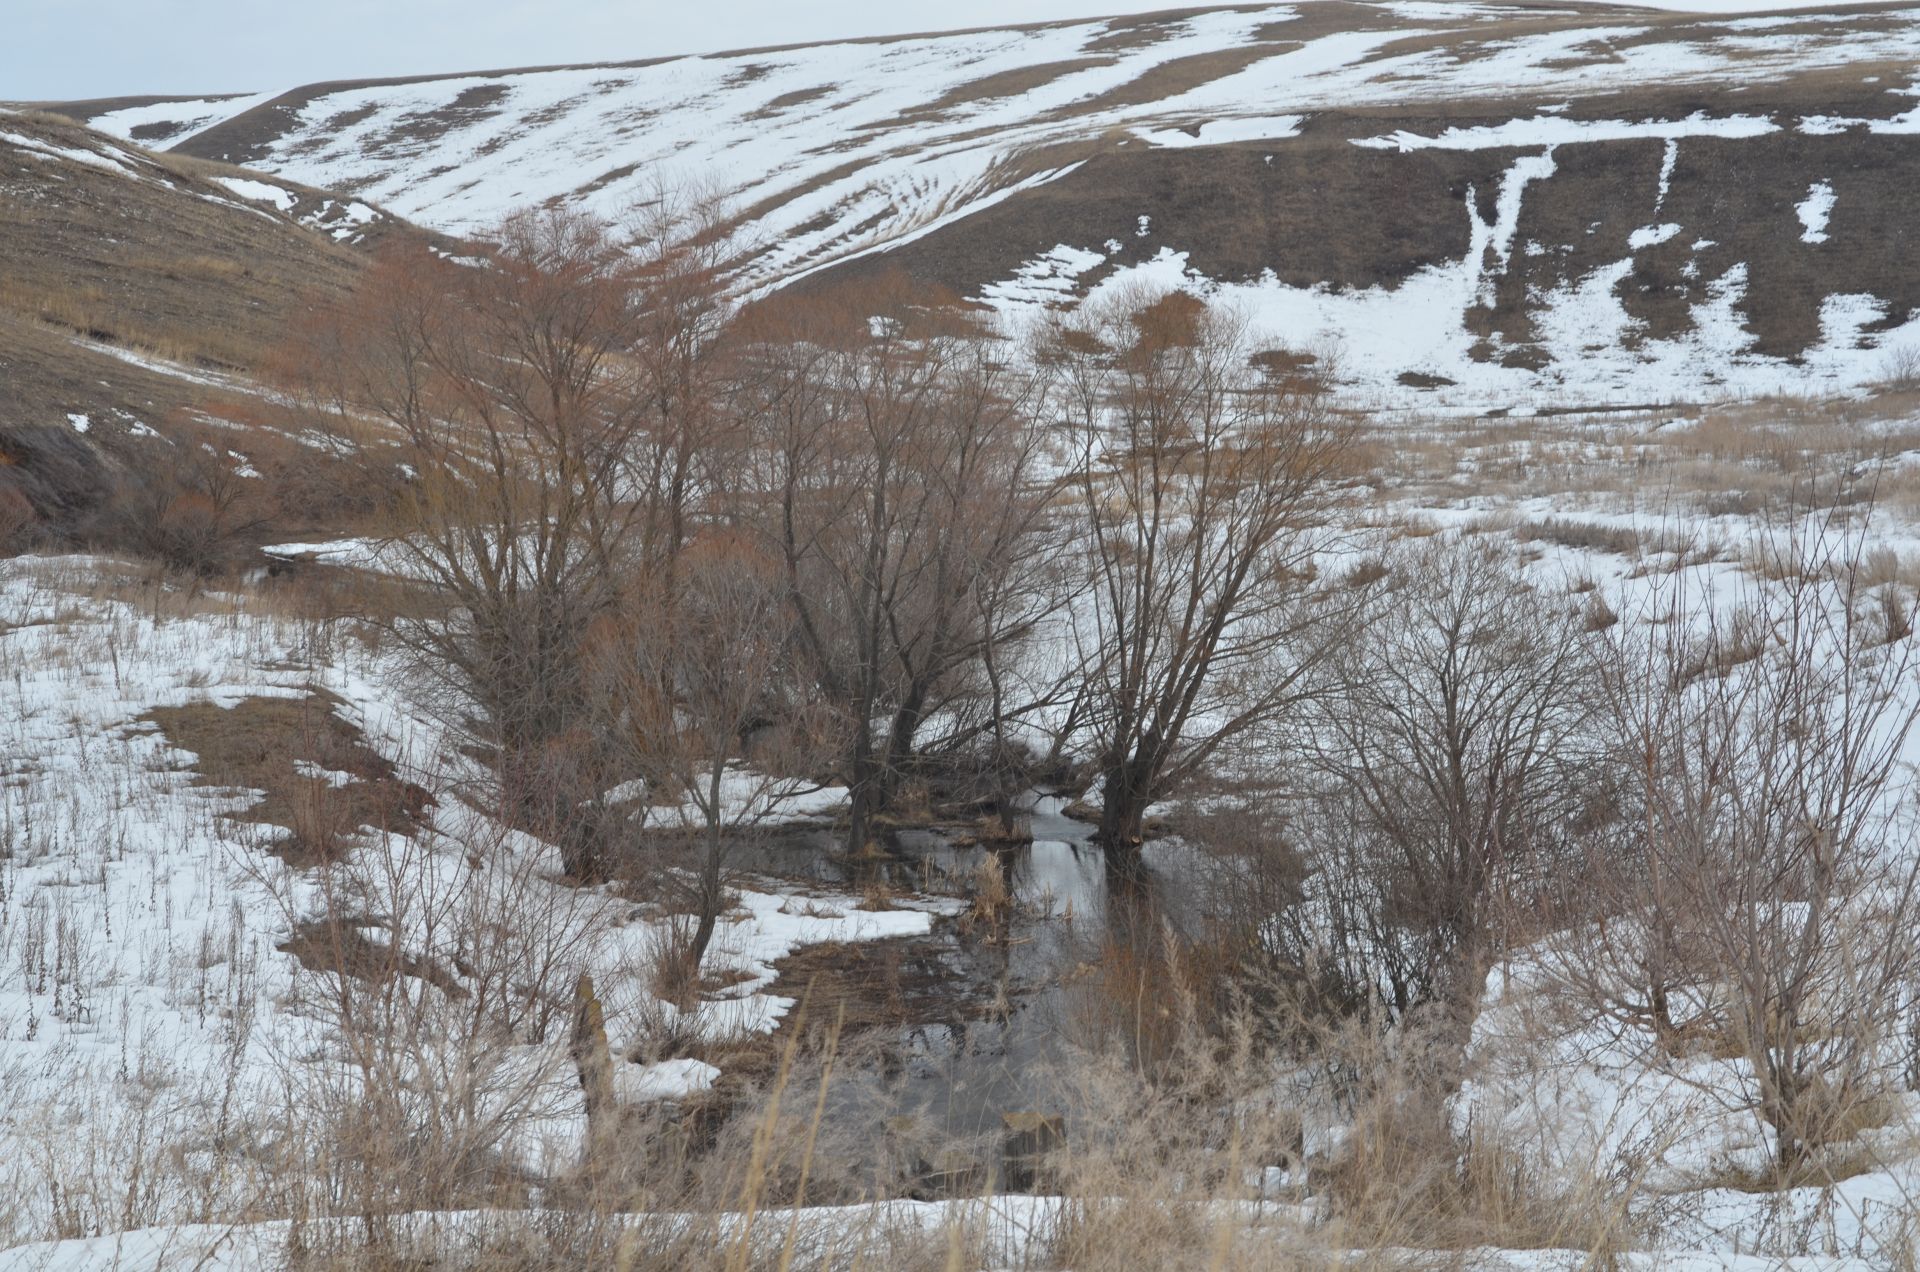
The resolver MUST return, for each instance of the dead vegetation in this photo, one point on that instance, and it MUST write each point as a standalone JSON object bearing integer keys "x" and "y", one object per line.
{"x": 319, "y": 780}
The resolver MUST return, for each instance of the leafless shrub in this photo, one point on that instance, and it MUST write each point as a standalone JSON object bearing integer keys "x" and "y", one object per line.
{"x": 1597, "y": 615}
{"x": 444, "y": 980}
{"x": 17, "y": 518}
{"x": 1758, "y": 897}
{"x": 1895, "y": 613}
{"x": 1588, "y": 536}
{"x": 192, "y": 508}
{"x": 1448, "y": 757}
{"x": 1900, "y": 369}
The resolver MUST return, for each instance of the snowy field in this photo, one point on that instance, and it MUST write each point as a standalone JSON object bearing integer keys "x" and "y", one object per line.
{"x": 148, "y": 1011}
{"x": 167, "y": 1028}
{"x": 146, "y": 1006}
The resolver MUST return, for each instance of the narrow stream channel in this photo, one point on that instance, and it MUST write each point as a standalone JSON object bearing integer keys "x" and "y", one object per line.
{"x": 957, "y": 1077}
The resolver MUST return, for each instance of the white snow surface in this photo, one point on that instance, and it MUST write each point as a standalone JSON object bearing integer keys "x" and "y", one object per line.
{"x": 1552, "y": 130}
{"x": 1813, "y": 212}
{"x": 1215, "y": 132}
{"x": 663, "y": 1080}
{"x": 261, "y": 192}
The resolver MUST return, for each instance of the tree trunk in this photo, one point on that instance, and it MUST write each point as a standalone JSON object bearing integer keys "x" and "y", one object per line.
{"x": 864, "y": 794}
{"x": 900, "y": 736}
{"x": 709, "y": 902}
{"x": 1123, "y": 811}
{"x": 577, "y": 856}
{"x": 594, "y": 1061}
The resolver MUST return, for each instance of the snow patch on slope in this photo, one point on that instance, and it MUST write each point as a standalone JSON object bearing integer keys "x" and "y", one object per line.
{"x": 1552, "y": 130}
{"x": 1217, "y": 132}
{"x": 1813, "y": 212}
{"x": 261, "y": 192}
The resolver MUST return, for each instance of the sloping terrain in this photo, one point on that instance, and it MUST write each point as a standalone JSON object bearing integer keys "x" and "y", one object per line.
{"x": 1493, "y": 205}
{"x": 138, "y": 294}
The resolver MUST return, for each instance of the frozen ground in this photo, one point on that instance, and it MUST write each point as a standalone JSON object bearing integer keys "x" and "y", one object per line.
{"x": 145, "y": 1004}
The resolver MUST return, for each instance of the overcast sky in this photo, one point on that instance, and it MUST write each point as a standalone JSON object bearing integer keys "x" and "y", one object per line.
{"x": 61, "y": 50}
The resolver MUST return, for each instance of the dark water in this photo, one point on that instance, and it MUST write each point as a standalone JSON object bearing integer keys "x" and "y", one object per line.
{"x": 1019, "y": 993}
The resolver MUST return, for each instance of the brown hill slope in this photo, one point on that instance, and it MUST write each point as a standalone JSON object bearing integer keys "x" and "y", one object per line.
{"x": 139, "y": 295}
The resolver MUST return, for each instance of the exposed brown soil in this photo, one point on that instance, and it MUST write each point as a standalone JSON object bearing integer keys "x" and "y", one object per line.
{"x": 346, "y": 948}
{"x": 1177, "y": 76}
{"x": 1012, "y": 83}
{"x": 255, "y": 745}
{"x": 861, "y": 988}
{"x": 1313, "y": 212}
{"x": 168, "y": 263}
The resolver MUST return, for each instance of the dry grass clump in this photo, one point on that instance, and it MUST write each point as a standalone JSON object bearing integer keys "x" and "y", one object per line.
{"x": 1726, "y": 459}
{"x": 1587, "y": 536}
{"x": 990, "y": 903}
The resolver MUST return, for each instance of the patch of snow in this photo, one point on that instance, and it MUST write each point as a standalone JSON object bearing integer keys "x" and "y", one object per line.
{"x": 1652, "y": 235}
{"x": 180, "y": 117}
{"x": 80, "y": 422}
{"x": 1506, "y": 218}
{"x": 73, "y": 154}
{"x": 261, "y": 192}
{"x": 1051, "y": 278}
{"x": 1813, "y": 212}
{"x": 1550, "y": 130}
{"x": 1217, "y": 132}
{"x": 365, "y": 554}
{"x": 1905, "y": 124}
{"x": 1667, "y": 161}
{"x": 665, "y": 1080}
{"x": 332, "y": 777}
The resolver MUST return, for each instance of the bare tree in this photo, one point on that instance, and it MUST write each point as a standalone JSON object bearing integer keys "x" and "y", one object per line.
{"x": 697, "y": 671}
{"x": 512, "y": 389}
{"x": 1452, "y": 758}
{"x": 1204, "y": 485}
{"x": 904, "y": 489}
{"x": 681, "y": 247}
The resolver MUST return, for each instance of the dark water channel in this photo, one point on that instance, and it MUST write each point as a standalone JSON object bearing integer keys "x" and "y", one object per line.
{"x": 996, "y": 1007}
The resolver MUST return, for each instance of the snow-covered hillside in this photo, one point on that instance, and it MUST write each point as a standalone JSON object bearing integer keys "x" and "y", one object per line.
{"x": 974, "y": 158}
